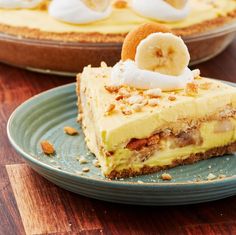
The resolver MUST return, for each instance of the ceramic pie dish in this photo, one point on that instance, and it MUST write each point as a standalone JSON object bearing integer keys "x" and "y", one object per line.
{"x": 32, "y": 39}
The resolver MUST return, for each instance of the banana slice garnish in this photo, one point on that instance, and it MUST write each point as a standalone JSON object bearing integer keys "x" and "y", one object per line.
{"x": 97, "y": 5}
{"x": 164, "y": 53}
{"x": 179, "y": 4}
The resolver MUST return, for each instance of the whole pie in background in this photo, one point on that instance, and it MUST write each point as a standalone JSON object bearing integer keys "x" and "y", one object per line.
{"x": 75, "y": 24}
{"x": 38, "y": 23}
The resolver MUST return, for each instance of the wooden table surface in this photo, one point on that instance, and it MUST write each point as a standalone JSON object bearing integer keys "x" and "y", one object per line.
{"x": 30, "y": 204}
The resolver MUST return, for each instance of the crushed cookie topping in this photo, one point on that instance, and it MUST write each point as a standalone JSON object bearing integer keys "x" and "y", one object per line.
{"x": 127, "y": 111}
{"x": 153, "y": 102}
{"x": 70, "y": 130}
{"x": 47, "y": 147}
{"x": 205, "y": 86}
{"x": 110, "y": 109}
{"x": 153, "y": 93}
{"x": 112, "y": 89}
{"x": 140, "y": 92}
{"x": 119, "y": 97}
{"x": 43, "y": 6}
{"x": 145, "y": 102}
{"x": 128, "y": 100}
{"x": 172, "y": 98}
{"x": 137, "y": 107}
{"x": 125, "y": 92}
{"x": 120, "y": 4}
{"x": 135, "y": 99}
{"x": 196, "y": 73}
{"x": 191, "y": 89}
{"x": 122, "y": 106}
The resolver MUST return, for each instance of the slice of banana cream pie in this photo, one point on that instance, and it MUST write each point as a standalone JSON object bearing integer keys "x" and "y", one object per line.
{"x": 151, "y": 112}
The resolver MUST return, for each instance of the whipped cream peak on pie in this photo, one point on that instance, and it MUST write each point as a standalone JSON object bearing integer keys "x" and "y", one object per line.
{"x": 79, "y": 11}
{"x": 14, "y": 4}
{"x": 162, "y": 10}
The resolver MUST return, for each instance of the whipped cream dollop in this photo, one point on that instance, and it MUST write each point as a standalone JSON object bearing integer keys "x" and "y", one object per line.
{"x": 127, "y": 73}
{"x": 14, "y": 4}
{"x": 76, "y": 12}
{"x": 160, "y": 10}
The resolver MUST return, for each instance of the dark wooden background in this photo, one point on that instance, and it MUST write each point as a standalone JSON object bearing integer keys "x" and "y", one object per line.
{"x": 31, "y": 205}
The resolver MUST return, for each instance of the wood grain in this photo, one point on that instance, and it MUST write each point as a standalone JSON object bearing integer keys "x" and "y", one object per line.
{"x": 210, "y": 229}
{"x": 10, "y": 220}
{"x": 38, "y": 201}
{"x": 81, "y": 214}
{"x": 30, "y": 204}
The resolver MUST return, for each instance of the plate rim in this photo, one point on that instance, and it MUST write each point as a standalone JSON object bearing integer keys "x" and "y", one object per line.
{"x": 108, "y": 182}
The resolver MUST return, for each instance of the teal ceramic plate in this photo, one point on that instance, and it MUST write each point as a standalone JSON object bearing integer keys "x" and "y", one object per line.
{"x": 45, "y": 115}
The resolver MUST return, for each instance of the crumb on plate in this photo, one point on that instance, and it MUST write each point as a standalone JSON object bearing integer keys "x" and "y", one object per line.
{"x": 86, "y": 169}
{"x": 166, "y": 176}
{"x": 70, "y": 130}
{"x": 211, "y": 176}
{"x": 47, "y": 147}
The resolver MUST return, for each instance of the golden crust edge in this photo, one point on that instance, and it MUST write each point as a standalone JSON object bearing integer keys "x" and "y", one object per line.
{"x": 109, "y": 38}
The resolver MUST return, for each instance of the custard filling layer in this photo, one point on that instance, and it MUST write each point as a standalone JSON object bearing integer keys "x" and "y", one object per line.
{"x": 169, "y": 149}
